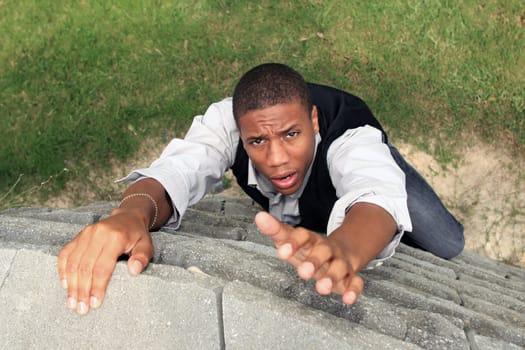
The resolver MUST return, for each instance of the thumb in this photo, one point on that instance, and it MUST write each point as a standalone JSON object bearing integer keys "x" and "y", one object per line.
{"x": 140, "y": 256}
{"x": 272, "y": 227}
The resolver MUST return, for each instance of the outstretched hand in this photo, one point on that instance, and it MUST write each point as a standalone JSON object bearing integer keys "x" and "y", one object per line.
{"x": 86, "y": 263}
{"x": 314, "y": 256}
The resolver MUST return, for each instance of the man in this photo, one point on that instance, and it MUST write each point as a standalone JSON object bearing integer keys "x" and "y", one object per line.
{"x": 312, "y": 156}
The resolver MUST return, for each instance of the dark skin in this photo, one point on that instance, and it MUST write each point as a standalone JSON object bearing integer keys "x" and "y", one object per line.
{"x": 280, "y": 142}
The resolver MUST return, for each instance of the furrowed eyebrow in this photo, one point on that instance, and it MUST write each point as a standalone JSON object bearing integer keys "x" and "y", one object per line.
{"x": 255, "y": 137}
{"x": 294, "y": 127}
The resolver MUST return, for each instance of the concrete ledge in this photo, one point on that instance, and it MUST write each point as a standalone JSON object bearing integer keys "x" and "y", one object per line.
{"x": 239, "y": 295}
{"x": 144, "y": 312}
{"x": 284, "y": 324}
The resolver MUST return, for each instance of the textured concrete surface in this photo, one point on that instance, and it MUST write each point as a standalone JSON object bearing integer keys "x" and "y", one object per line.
{"x": 217, "y": 284}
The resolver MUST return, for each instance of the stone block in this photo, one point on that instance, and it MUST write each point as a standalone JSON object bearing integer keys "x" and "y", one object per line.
{"x": 57, "y": 215}
{"x": 284, "y": 324}
{"x": 146, "y": 311}
{"x": 33, "y": 231}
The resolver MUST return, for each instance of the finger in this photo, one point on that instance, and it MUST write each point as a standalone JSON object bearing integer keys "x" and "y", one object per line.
{"x": 297, "y": 245}
{"x": 280, "y": 234}
{"x": 272, "y": 227}
{"x": 336, "y": 272}
{"x": 354, "y": 287}
{"x": 94, "y": 242}
{"x": 71, "y": 280}
{"x": 104, "y": 266}
{"x": 318, "y": 255}
{"x": 62, "y": 262}
{"x": 140, "y": 255}
{"x": 102, "y": 272}
{"x": 74, "y": 257}
{"x": 84, "y": 278}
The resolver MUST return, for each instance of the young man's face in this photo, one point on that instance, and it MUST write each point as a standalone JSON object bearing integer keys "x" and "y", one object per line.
{"x": 280, "y": 141}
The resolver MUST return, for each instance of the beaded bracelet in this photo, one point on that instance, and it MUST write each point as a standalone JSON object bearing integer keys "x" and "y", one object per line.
{"x": 148, "y": 196}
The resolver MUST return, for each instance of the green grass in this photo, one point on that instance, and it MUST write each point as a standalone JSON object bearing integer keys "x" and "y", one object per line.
{"x": 82, "y": 83}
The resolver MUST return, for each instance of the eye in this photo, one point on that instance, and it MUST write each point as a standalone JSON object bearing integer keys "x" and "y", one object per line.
{"x": 256, "y": 141}
{"x": 292, "y": 134}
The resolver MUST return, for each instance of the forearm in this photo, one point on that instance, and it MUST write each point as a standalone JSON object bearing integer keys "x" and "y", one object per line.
{"x": 365, "y": 231}
{"x": 143, "y": 206}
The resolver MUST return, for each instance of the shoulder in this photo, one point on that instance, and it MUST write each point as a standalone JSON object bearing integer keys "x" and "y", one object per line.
{"x": 222, "y": 108}
{"x": 218, "y": 114}
{"x": 339, "y": 110}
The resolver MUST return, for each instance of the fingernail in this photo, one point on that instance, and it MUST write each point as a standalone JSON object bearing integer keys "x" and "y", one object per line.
{"x": 64, "y": 283}
{"x": 136, "y": 267}
{"x": 82, "y": 308}
{"x": 285, "y": 251}
{"x": 350, "y": 298}
{"x": 95, "y": 303}
{"x": 71, "y": 303}
{"x": 306, "y": 270}
{"x": 324, "y": 286}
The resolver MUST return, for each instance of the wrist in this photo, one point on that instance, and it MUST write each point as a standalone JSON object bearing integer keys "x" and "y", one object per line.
{"x": 133, "y": 214}
{"x": 350, "y": 250}
{"x": 140, "y": 205}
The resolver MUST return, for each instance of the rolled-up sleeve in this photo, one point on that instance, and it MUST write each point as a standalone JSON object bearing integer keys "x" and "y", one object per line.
{"x": 188, "y": 168}
{"x": 363, "y": 170}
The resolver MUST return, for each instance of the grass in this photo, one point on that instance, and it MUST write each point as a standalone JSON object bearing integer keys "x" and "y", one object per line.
{"x": 83, "y": 83}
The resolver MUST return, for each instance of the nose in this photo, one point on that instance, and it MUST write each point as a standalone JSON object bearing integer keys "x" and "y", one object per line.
{"x": 277, "y": 154}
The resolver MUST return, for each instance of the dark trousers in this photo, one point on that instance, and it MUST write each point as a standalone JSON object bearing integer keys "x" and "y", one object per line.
{"x": 434, "y": 228}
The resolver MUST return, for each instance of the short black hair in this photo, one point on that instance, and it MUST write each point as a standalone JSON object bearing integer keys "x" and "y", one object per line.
{"x": 267, "y": 85}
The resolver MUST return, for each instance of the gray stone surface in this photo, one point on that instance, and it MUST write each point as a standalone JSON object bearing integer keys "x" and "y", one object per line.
{"x": 284, "y": 324}
{"x": 241, "y": 296}
{"x": 144, "y": 312}
{"x": 434, "y": 331}
{"x": 56, "y": 215}
{"x": 485, "y": 343}
{"x": 6, "y": 258}
{"x": 35, "y": 231}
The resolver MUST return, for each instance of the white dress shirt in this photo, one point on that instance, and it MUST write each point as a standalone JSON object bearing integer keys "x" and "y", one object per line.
{"x": 360, "y": 165}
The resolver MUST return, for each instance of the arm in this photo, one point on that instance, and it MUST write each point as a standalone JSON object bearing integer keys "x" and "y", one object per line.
{"x": 180, "y": 177}
{"x": 365, "y": 231}
{"x": 363, "y": 171}
{"x": 371, "y": 209}
{"x": 188, "y": 168}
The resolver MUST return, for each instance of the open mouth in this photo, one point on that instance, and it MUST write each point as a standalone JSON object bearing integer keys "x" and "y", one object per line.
{"x": 285, "y": 182}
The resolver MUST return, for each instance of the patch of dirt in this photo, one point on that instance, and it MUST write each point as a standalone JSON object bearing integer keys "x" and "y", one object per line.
{"x": 102, "y": 185}
{"x": 485, "y": 191}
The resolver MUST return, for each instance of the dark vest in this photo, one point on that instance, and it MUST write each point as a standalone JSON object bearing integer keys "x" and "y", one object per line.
{"x": 338, "y": 111}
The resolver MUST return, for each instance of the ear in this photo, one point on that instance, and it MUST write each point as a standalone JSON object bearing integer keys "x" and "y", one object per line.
{"x": 315, "y": 120}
